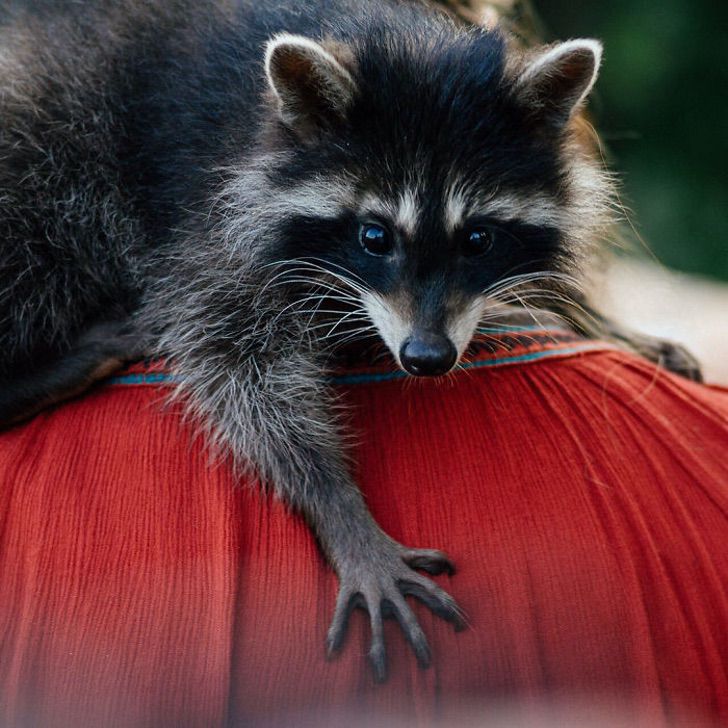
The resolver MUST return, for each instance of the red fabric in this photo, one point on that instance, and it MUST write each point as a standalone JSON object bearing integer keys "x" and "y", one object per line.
{"x": 584, "y": 500}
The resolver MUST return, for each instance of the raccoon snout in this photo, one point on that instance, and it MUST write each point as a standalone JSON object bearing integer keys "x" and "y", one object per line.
{"x": 428, "y": 355}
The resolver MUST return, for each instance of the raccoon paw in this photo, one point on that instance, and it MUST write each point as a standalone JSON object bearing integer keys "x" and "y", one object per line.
{"x": 673, "y": 357}
{"x": 379, "y": 585}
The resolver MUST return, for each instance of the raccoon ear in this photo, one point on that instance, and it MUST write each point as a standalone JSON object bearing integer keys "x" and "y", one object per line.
{"x": 310, "y": 84}
{"x": 558, "y": 80}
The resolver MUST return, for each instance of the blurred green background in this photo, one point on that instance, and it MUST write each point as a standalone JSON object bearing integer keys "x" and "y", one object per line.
{"x": 662, "y": 107}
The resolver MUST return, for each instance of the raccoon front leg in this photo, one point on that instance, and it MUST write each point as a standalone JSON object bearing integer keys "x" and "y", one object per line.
{"x": 273, "y": 410}
{"x": 673, "y": 357}
{"x": 587, "y": 320}
{"x": 376, "y": 573}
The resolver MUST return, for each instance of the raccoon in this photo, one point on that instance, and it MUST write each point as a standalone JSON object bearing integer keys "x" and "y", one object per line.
{"x": 245, "y": 188}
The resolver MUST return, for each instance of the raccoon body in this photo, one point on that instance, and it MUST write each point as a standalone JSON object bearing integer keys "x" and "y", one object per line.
{"x": 242, "y": 187}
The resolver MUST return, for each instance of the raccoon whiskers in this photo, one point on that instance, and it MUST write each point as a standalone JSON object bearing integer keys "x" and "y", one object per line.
{"x": 531, "y": 301}
{"x": 560, "y": 289}
{"x": 362, "y": 334}
{"x": 337, "y": 317}
{"x": 326, "y": 297}
{"x": 461, "y": 367}
{"x": 557, "y": 287}
{"x": 510, "y": 282}
{"x": 325, "y": 285}
{"x": 493, "y": 339}
{"x": 346, "y": 275}
{"x": 302, "y": 275}
{"x": 338, "y": 272}
{"x": 529, "y": 310}
{"x": 334, "y": 339}
{"x": 323, "y": 292}
{"x": 341, "y": 321}
{"x": 542, "y": 295}
{"x": 351, "y": 316}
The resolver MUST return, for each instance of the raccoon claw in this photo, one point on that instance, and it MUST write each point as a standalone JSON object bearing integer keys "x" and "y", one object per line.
{"x": 673, "y": 357}
{"x": 429, "y": 560}
{"x": 380, "y": 589}
{"x": 679, "y": 360}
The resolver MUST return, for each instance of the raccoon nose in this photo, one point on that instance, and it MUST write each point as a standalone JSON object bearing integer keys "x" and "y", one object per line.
{"x": 428, "y": 355}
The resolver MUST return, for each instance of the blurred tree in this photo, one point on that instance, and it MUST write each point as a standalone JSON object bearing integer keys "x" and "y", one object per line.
{"x": 662, "y": 108}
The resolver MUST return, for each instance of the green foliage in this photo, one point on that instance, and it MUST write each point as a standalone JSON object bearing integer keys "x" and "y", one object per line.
{"x": 662, "y": 108}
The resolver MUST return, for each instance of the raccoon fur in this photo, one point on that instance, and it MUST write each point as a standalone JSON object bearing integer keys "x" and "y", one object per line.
{"x": 243, "y": 187}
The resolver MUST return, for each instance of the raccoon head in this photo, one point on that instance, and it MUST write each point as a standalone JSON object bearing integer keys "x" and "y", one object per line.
{"x": 428, "y": 168}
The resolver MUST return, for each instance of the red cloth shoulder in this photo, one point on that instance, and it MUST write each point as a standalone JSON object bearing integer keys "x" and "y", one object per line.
{"x": 582, "y": 493}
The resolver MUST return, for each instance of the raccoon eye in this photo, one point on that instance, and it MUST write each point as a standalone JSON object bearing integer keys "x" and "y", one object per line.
{"x": 375, "y": 239}
{"x": 477, "y": 242}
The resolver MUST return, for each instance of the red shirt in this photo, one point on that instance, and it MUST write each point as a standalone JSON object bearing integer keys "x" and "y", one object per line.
{"x": 582, "y": 493}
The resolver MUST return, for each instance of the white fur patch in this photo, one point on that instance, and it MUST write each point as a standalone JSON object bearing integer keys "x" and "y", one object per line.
{"x": 537, "y": 209}
{"x": 391, "y": 326}
{"x": 394, "y": 329}
{"x": 408, "y": 211}
{"x": 456, "y": 207}
{"x": 403, "y": 213}
{"x": 249, "y": 202}
{"x": 370, "y": 204}
{"x": 462, "y": 328}
{"x": 325, "y": 197}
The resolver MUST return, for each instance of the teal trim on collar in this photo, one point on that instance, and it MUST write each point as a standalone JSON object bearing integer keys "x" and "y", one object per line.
{"x": 145, "y": 378}
{"x": 365, "y": 378}
{"x": 371, "y": 377}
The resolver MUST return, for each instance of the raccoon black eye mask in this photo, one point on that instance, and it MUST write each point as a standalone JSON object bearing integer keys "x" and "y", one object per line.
{"x": 244, "y": 187}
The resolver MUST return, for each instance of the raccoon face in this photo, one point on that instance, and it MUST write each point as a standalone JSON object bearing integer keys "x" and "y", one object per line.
{"x": 430, "y": 173}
